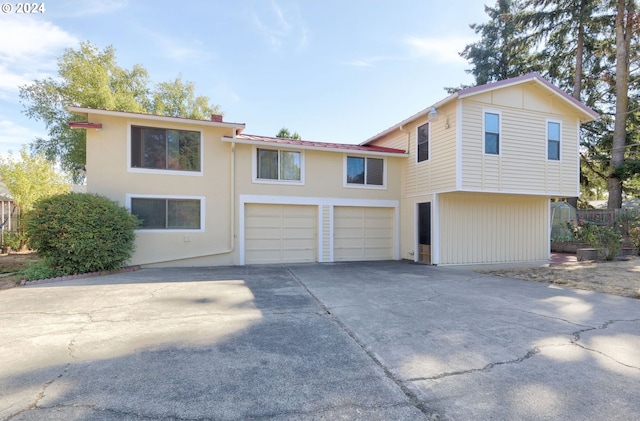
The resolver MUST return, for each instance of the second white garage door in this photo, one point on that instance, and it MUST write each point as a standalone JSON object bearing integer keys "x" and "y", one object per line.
{"x": 280, "y": 233}
{"x": 362, "y": 233}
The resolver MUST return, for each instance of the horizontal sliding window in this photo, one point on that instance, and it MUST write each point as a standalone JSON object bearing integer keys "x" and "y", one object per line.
{"x": 279, "y": 165}
{"x": 158, "y": 213}
{"x": 165, "y": 149}
{"x": 365, "y": 171}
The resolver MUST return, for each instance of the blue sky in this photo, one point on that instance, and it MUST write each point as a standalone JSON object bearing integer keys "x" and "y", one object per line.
{"x": 332, "y": 70}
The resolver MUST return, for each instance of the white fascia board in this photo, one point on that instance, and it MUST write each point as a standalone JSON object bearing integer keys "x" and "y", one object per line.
{"x": 154, "y": 117}
{"x": 312, "y": 148}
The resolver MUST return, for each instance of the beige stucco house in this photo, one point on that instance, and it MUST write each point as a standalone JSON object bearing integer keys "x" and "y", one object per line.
{"x": 467, "y": 180}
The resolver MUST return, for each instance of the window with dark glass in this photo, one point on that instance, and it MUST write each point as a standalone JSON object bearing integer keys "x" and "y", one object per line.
{"x": 165, "y": 149}
{"x": 157, "y": 213}
{"x": 423, "y": 142}
{"x": 279, "y": 165}
{"x": 553, "y": 141}
{"x": 492, "y": 133}
{"x": 365, "y": 171}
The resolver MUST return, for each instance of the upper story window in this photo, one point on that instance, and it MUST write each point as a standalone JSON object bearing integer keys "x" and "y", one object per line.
{"x": 553, "y": 140}
{"x": 278, "y": 165}
{"x": 365, "y": 171}
{"x": 165, "y": 149}
{"x": 423, "y": 142}
{"x": 167, "y": 213}
{"x": 492, "y": 133}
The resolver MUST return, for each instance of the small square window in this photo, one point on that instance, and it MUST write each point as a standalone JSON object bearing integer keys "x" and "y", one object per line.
{"x": 365, "y": 171}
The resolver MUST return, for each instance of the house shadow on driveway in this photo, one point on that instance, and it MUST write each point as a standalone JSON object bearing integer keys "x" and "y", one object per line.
{"x": 369, "y": 341}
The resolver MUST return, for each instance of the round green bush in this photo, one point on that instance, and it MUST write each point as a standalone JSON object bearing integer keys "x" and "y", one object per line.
{"x": 81, "y": 233}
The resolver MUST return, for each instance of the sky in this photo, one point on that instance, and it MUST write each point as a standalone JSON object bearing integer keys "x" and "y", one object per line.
{"x": 331, "y": 70}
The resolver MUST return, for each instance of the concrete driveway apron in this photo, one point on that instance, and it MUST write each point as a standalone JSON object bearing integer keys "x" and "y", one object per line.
{"x": 362, "y": 341}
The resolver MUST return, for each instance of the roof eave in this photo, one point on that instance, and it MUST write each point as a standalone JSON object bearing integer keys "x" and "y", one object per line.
{"x": 84, "y": 112}
{"x": 313, "y": 148}
{"x": 414, "y": 117}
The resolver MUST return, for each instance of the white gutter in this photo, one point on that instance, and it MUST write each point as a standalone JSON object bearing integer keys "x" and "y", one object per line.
{"x": 313, "y": 148}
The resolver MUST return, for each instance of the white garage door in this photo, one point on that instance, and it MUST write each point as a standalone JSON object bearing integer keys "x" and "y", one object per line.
{"x": 362, "y": 233}
{"x": 280, "y": 234}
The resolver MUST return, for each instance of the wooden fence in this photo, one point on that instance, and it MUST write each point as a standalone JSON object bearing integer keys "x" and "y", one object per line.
{"x": 604, "y": 216}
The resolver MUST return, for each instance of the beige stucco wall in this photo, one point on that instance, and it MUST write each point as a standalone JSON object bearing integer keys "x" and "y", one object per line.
{"x": 522, "y": 165}
{"x": 484, "y": 228}
{"x": 323, "y": 177}
{"x": 108, "y": 174}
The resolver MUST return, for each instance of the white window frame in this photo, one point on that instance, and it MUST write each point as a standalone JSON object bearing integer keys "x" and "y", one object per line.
{"x": 163, "y": 171}
{"x": 364, "y": 186}
{"x": 428, "y": 142}
{"x": 559, "y": 123}
{"x": 254, "y": 167}
{"x": 130, "y": 196}
{"x": 484, "y": 131}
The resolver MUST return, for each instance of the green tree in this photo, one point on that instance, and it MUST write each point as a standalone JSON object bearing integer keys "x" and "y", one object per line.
{"x": 88, "y": 77}
{"x": 30, "y": 179}
{"x": 178, "y": 99}
{"x": 626, "y": 28}
{"x": 284, "y": 133}
{"x": 502, "y": 52}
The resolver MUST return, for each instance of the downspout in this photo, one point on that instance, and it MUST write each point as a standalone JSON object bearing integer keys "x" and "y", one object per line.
{"x": 232, "y": 240}
{"x": 401, "y": 128}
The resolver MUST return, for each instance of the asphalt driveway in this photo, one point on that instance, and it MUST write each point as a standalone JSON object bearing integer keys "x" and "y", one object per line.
{"x": 362, "y": 341}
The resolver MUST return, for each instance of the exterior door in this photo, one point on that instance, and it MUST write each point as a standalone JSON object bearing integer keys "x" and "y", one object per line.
{"x": 424, "y": 233}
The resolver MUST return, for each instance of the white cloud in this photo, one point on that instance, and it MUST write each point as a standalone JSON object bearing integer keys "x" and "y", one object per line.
{"x": 29, "y": 49}
{"x": 282, "y": 27}
{"x": 13, "y": 136}
{"x": 444, "y": 50}
{"x": 173, "y": 48}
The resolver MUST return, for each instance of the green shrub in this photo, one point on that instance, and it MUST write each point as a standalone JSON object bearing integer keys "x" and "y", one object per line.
{"x": 607, "y": 240}
{"x": 80, "y": 233}
{"x": 11, "y": 239}
{"x": 42, "y": 269}
{"x": 634, "y": 233}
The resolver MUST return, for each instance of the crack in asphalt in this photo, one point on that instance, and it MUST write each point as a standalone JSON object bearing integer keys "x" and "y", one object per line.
{"x": 489, "y": 366}
{"x": 577, "y": 336}
{"x": 40, "y": 395}
{"x": 413, "y": 399}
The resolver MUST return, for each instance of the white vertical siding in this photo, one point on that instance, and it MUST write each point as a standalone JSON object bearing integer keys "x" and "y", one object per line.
{"x": 326, "y": 233}
{"x": 486, "y": 228}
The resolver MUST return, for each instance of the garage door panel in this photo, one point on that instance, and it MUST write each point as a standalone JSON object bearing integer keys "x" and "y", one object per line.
{"x": 362, "y": 233}
{"x": 280, "y": 233}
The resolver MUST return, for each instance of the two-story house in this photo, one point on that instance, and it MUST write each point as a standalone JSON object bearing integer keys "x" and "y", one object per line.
{"x": 467, "y": 180}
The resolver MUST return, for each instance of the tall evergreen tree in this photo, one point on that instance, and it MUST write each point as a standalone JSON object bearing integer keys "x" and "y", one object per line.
{"x": 501, "y": 52}
{"x": 626, "y": 27}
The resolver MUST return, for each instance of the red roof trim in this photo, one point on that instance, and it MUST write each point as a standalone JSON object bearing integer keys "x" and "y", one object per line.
{"x": 307, "y": 143}
{"x": 84, "y": 125}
